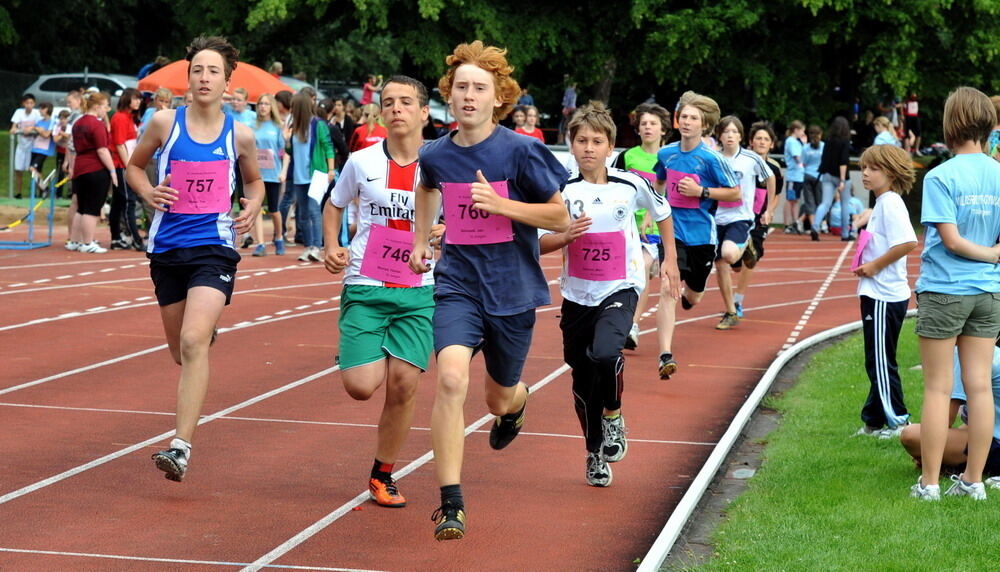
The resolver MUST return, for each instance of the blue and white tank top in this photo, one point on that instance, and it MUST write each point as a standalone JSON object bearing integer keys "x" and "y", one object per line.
{"x": 176, "y": 230}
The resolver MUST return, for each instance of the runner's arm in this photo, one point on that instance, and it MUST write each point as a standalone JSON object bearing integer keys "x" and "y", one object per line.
{"x": 550, "y": 215}
{"x": 335, "y": 256}
{"x": 668, "y": 267}
{"x": 426, "y": 206}
{"x": 551, "y": 242}
{"x": 772, "y": 194}
{"x": 253, "y": 185}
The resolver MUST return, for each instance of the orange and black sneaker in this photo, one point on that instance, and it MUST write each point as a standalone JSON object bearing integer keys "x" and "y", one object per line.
{"x": 450, "y": 520}
{"x": 384, "y": 492}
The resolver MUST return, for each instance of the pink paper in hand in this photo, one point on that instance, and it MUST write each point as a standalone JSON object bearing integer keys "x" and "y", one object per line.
{"x": 467, "y": 224}
{"x": 598, "y": 256}
{"x": 863, "y": 238}
{"x": 758, "y": 200}
{"x": 202, "y": 186}
{"x": 387, "y": 254}
{"x": 674, "y": 197}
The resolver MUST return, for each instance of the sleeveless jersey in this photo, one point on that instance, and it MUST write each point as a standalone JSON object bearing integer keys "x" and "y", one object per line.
{"x": 177, "y": 230}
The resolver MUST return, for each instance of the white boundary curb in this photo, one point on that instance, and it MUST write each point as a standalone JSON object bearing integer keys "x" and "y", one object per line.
{"x": 689, "y": 502}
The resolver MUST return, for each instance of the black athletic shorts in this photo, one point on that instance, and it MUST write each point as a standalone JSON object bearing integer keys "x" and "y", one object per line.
{"x": 273, "y": 194}
{"x": 91, "y": 191}
{"x": 176, "y": 271}
{"x": 695, "y": 264}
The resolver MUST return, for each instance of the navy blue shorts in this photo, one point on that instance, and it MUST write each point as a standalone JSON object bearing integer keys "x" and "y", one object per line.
{"x": 504, "y": 340}
{"x": 176, "y": 271}
{"x": 737, "y": 232}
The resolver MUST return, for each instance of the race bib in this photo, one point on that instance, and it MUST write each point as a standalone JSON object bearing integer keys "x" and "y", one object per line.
{"x": 387, "y": 254}
{"x": 730, "y": 204}
{"x": 265, "y": 159}
{"x": 674, "y": 197}
{"x": 597, "y": 256}
{"x": 469, "y": 225}
{"x": 202, "y": 186}
{"x": 863, "y": 238}
{"x": 41, "y": 143}
{"x": 759, "y": 196}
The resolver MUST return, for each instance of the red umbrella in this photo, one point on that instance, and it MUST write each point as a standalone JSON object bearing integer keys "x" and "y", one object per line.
{"x": 174, "y": 77}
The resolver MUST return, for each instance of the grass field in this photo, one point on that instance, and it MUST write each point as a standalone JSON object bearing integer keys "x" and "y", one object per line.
{"x": 824, "y": 500}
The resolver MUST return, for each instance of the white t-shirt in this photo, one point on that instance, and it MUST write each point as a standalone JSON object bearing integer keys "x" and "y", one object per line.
{"x": 889, "y": 226}
{"x": 385, "y": 192}
{"x": 748, "y": 168}
{"x": 611, "y": 207}
{"x": 23, "y": 121}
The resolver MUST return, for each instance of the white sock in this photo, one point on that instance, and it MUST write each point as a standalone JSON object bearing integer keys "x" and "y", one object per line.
{"x": 738, "y": 298}
{"x": 178, "y": 443}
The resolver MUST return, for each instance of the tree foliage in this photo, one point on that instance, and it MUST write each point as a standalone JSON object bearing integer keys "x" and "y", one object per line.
{"x": 782, "y": 59}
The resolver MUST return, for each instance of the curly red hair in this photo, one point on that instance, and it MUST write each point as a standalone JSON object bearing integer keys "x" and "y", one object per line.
{"x": 491, "y": 59}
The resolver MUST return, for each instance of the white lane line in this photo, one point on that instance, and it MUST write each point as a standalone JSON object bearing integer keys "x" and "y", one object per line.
{"x": 85, "y": 273}
{"x": 318, "y": 423}
{"x": 169, "y": 560}
{"x": 112, "y": 361}
{"x": 158, "y": 438}
{"x": 797, "y": 330}
{"x": 122, "y": 303}
{"x": 96, "y": 309}
{"x": 362, "y": 497}
{"x": 42, "y": 281}
{"x": 64, "y": 276}
{"x": 16, "y": 284}
{"x": 107, "y": 269}
{"x": 49, "y": 264}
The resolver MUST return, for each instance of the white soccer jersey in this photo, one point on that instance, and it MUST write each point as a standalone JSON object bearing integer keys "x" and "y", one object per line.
{"x": 748, "y": 167}
{"x": 384, "y": 189}
{"x": 611, "y": 207}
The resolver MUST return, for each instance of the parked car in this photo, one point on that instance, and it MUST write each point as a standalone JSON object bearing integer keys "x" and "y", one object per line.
{"x": 298, "y": 84}
{"x": 53, "y": 87}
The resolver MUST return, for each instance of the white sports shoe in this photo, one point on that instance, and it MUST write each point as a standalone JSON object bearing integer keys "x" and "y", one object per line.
{"x": 92, "y": 248}
{"x": 314, "y": 254}
{"x": 598, "y": 471}
{"x": 928, "y": 493}
{"x": 72, "y": 245}
{"x": 960, "y": 488}
{"x": 868, "y": 431}
{"x": 892, "y": 432}
{"x": 992, "y": 482}
{"x": 632, "y": 340}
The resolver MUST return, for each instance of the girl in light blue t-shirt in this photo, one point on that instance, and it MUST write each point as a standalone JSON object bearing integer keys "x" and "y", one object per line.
{"x": 958, "y": 290}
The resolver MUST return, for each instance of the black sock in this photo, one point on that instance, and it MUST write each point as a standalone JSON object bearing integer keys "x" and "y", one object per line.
{"x": 452, "y": 495}
{"x": 685, "y": 304}
{"x": 665, "y": 356}
{"x": 381, "y": 470}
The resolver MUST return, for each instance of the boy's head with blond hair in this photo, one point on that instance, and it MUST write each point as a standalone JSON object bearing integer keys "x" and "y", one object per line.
{"x": 894, "y": 162}
{"x": 493, "y": 60}
{"x": 595, "y": 116}
{"x": 707, "y": 106}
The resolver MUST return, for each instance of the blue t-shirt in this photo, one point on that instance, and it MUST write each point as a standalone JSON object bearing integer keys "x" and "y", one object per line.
{"x": 694, "y": 227}
{"x": 812, "y": 157}
{"x": 301, "y": 160}
{"x": 506, "y": 277}
{"x": 958, "y": 388}
{"x": 793, "y": 149}
{"x": 47, "y": 125}
{"x": 964, "y": 191}
{"x": 885, "y": 138}
{"x": 269, "y": 141}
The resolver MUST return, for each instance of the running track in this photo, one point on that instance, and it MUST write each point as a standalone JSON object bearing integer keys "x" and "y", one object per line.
{"x": 279, "y": 470}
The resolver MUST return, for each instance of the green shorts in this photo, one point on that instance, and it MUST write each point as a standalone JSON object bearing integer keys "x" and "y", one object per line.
{"x": 376, "y": 322}
{"x": 942, "y": 316}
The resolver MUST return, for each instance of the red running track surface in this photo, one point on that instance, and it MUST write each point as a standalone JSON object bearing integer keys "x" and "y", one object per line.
{"x": 279, "y": 470}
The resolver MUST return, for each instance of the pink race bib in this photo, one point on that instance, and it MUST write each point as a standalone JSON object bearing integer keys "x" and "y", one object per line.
{"x": 469, "y": 225}
{"x": 597, "y": 256}
{"x": 759, "y": 196}
{"x": 202, "y": 186}
{"x": 674, "y": 197}
{"x": 863, "y": 238}
{"x": 730, "y": 204}
{"x": 387, "y": 254}
{"x": 265, "y": 159}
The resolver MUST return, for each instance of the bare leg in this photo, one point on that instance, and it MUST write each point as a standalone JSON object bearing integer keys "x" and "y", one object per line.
{"x": 665, "y": 319}
{"x": 976, "y": 357}
{"x": 730, "y": 254}
{"x": 447, "y": 415}
{"x": 201, "y": 313}
{"x": 397, "y": 413}
{"x": 936, "y": 357}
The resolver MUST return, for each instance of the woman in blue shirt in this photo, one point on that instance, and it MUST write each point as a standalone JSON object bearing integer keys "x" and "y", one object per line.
{"x": 812, "y": 194}
{"x": 270, "y": 150}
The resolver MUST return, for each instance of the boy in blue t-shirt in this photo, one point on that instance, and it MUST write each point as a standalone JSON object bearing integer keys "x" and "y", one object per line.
{"x": 694, "y": 178}
{"x": 958, "y": 291}
{"x": 497, "y": 189}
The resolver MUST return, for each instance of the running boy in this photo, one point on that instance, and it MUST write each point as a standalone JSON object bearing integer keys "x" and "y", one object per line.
{"x": 652, "y": 123}
{"x": 498, "y": 188}
{"x": 735, "y": 219}
{"x": 695, "y": 178}
{"x": 887, "y": 172}
{"x": 386, "y": 311}
{"x": 958, "y": 291}
{"x": 191, "y": 246}
{"x": 602, "y": 276}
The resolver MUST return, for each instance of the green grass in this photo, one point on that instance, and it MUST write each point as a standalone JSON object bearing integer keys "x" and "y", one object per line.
{"x": 826, "y": 501}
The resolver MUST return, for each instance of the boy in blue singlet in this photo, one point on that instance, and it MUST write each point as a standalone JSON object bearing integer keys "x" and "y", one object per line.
{"x": 191, "y": 247}
{"x": 694, "y": 178}
{"x": 497, "y": 189}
